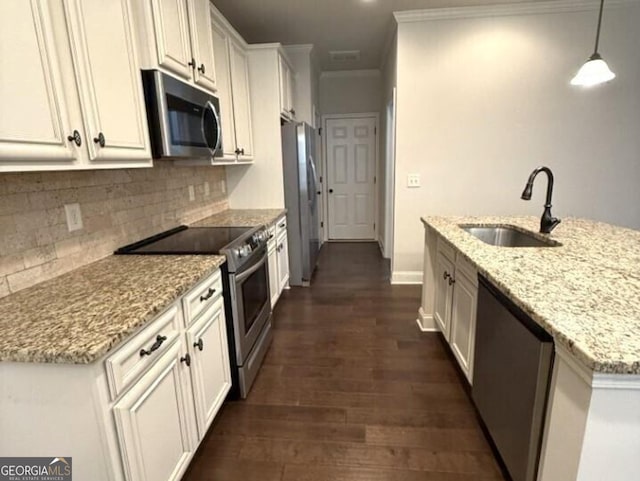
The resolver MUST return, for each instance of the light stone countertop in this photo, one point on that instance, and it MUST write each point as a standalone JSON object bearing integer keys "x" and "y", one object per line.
{"x": 585, "y": 293}
{"x": 79, "y": 317}
{"x": 242, "y": 218}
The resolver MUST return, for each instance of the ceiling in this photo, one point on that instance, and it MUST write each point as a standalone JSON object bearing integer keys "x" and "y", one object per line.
{"x": 329, "y": 25}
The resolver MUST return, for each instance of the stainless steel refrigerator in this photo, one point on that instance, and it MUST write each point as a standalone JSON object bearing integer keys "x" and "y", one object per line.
{"x": 301, "y": 193}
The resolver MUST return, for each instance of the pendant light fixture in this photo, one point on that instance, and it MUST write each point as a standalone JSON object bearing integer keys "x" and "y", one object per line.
{"x": 595, "y": 71}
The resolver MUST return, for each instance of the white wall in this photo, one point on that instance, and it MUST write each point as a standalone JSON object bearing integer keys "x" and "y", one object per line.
{"x": 483, "y": 101}
{"x": 350, "y": 92}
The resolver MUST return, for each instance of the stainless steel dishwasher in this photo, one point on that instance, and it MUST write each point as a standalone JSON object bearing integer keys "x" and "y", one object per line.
{"x": 512, "y": 370}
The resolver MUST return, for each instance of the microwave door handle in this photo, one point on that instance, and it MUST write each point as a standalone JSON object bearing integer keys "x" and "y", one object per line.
{"x": 210, "y": 106}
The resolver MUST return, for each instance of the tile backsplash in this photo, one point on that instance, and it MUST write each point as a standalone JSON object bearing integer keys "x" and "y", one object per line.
{"x": 117, "y": 206}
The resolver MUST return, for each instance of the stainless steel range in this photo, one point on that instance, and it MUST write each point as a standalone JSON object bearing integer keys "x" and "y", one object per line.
{"x": 246, "y": 287}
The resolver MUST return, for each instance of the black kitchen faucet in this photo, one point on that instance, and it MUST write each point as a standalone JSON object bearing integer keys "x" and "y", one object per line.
{"x": 547, "y": 222}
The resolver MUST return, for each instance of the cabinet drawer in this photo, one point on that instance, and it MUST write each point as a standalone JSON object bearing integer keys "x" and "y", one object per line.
{"x": 281, "y": 225}
{"x": 134, "y": 358}
{"x": 205, "y": 294}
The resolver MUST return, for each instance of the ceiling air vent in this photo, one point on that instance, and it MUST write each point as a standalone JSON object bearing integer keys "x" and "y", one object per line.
{"x": 345, "y": 55}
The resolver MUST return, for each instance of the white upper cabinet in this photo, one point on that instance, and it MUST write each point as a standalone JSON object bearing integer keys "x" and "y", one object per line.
{"x": 175, "y": 36}
{"x": 171, "y": 33}
{"x": 66, "y": 86}
{"x": 31, "y": 90}
{"x": 241, "y": 100}
{"x": 286, "y": 79}
{"x": 109, "y": 79}
{"x": 202, "y": 43}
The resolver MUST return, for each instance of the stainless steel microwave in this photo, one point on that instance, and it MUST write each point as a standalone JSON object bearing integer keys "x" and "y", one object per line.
{"x": 184, "y": 121}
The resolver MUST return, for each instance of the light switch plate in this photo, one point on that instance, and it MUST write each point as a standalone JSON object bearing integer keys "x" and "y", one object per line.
{"x": 74, "y": 217}
{"x": 413, "y": 180}
{"x": 192, "y": 193}
{"x": 207, "y": 189}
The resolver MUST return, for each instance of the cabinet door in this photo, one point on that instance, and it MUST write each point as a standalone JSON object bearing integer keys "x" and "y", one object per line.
{"x": 283, "y": 261}
{"x": 35, "y": 122}
{"x": 274, "y": 277}
{"x": 443, "y": 292}
{"x": 108, "y": 75}
{"x": 202, "y": 43}
{"x": 171, "y": 30}
{"x": 241, "y": 100}
{"x": 284, "y": 78}
{"x": 210, "y": 370}
{"x": 153, "y": 421}
{"x": 223, "y": 73}
{"x": 463, "y": 322}
{"x": 291, "y": 87}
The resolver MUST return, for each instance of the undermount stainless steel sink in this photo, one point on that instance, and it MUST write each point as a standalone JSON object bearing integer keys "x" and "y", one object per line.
{"x": 506, "y": 236}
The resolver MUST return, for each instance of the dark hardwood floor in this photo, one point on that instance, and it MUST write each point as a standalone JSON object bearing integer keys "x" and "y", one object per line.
{"x": 350, "y": 390}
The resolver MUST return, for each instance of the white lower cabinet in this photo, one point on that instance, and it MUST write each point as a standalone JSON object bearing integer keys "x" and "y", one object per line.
{"x": 154, "y": 421}
{"x": 456, "y": 293}
{"x": 278, "y": 250}
{"x": 210, "y": 370}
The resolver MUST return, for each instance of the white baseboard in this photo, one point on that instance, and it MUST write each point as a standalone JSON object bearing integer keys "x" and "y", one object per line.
{"x": 406, "y": 277}
{"x": 426, "y": 323}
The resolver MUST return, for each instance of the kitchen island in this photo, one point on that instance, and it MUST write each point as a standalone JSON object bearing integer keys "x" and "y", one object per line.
{"x": 585, "y": 294}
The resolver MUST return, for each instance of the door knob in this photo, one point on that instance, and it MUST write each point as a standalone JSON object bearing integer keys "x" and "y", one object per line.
{"x": 331, "y": 191}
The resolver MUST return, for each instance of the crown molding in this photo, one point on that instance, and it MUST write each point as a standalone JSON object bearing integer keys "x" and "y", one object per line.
{"x": 305, "y": 48}
{"x": 502, "y": 10}
{"x": 221, "y": 19}
{"x": 350, "y": 73}
{"x": 264, "y": 46}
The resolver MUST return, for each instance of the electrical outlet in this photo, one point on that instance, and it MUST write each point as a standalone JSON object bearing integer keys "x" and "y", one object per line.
{"x": 223, "y": 186}
{"x": 413, "y": 181}
{"x": 207, "y": 190}
{"x": 74, "y": 217}
{"x": 192, "y": 193}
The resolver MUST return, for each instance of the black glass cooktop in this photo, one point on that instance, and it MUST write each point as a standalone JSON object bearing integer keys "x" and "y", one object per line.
{"x": 186, "y": 241}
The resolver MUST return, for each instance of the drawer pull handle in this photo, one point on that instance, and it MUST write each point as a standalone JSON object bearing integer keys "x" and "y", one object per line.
{"x": 186, "y": 359}
{"x": 208, "y": 295}
{"x": 154, "y": 347}
{"x": 282, "y": 225}
{"x": 199, "y": 345}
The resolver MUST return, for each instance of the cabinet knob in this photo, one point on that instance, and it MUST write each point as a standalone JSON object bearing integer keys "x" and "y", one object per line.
{"x": 100, "y": 140}
{"x": 201, "y": 69}
{"x": 76, "y": 138}
{"x": 445, "y": 275}
{"x": 192, "y": 64}
{"x": 452, "y": 281}
{"x": 186, "y": 359}
{"x": 199, "y": 345}
{"x": 242, "y": 151}
{"x": 293, "y": 112}
{"x": 331, "y": 191}
{"x": 238, "y": 151}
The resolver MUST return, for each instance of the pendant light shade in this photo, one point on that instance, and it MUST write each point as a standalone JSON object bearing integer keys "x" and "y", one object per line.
{"x": 595, "y": 71}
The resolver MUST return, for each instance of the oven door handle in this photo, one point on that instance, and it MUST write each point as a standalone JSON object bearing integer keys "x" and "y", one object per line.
{"x": 242, "y": 276}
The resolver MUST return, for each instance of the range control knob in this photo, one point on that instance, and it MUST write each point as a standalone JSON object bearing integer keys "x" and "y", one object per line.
{"x": 237, "y": 252}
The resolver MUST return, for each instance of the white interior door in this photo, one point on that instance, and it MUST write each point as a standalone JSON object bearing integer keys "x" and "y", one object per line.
{"x": 351, "y": 166}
